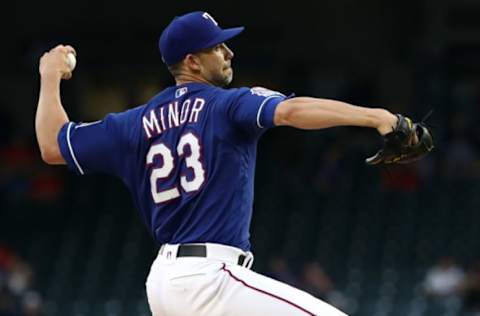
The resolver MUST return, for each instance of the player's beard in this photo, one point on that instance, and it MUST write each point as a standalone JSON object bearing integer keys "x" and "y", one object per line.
{"x": 224, "y": 78}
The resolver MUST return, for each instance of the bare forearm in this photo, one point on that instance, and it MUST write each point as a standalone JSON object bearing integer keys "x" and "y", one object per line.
{"x": 49, "y": 119}
{"x": 313, "y": 113}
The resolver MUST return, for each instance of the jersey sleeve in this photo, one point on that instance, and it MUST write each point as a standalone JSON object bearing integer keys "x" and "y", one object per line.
{"x": 101, "y": 146}
{"x": 253, "y": 109}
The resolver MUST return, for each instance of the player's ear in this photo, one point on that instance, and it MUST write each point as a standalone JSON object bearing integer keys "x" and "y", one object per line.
{"x": 192, "y": 62}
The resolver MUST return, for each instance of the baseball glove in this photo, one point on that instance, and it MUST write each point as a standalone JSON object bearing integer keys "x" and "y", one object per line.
{"x": 399, "y": 146}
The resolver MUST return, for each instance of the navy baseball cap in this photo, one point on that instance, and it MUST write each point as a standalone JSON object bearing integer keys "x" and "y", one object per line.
{"x": 191, "y": 33}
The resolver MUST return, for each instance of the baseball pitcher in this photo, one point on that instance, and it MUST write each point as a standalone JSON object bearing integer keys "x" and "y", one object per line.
{"x": 188, "y": 158}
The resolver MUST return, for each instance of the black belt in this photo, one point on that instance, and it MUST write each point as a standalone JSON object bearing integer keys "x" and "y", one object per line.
{"x": 200, "y": 251}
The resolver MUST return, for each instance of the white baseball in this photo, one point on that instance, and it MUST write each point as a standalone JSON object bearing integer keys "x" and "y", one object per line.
{"x": 72, "y": 61}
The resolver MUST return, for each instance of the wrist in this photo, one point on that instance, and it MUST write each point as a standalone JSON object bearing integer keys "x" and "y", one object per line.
{"x": 50, "y": 76}
{"x": 386, "y": 121}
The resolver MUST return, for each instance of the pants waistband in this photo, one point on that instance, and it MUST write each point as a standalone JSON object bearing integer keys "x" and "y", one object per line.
{"x": 208, "y": 250}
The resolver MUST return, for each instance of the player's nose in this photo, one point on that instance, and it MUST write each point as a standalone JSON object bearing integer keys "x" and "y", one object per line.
{"x": 227, "y": 52}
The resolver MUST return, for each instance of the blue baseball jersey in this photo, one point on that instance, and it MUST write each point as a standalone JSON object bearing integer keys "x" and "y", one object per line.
{"x": 187, "y": 157}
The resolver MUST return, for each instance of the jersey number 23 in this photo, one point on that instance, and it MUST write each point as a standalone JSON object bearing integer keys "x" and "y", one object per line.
{"x": 192, "y": 162}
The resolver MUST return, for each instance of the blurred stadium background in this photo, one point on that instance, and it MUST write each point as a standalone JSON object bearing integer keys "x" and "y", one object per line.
{"x": 373, "y": 241}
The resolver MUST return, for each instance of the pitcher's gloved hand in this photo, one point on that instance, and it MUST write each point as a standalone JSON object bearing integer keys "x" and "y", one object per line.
{"x": 407, "y": 142}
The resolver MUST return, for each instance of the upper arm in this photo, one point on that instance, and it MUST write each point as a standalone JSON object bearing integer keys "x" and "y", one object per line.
{"x": 252, "y": 110}
{"x": 101, "y": 146}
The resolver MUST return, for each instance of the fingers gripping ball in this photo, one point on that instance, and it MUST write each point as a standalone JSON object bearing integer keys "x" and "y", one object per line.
{"x": 71, "y": 61}
{"x": 399, "y": 145}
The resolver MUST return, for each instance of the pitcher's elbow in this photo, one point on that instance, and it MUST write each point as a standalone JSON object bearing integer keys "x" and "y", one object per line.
{"x": 51, "y": 155}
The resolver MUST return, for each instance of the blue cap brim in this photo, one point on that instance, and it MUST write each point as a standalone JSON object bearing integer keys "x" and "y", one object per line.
{"x": 224, "y": 36}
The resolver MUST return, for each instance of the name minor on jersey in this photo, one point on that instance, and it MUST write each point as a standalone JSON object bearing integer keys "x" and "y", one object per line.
{"x": 171, "y": 115}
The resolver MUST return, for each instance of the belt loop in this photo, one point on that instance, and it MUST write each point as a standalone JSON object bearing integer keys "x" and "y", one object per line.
{"x": 169, "y": 252}
{"x": 248, "y": 262}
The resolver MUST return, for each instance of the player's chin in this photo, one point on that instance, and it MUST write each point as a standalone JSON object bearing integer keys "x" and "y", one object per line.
{"x": 223, "y": 78}
{"x": 228, "y": 74}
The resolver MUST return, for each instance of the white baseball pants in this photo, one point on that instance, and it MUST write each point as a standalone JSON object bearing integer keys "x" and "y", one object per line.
{"x": 218, "y": 286}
